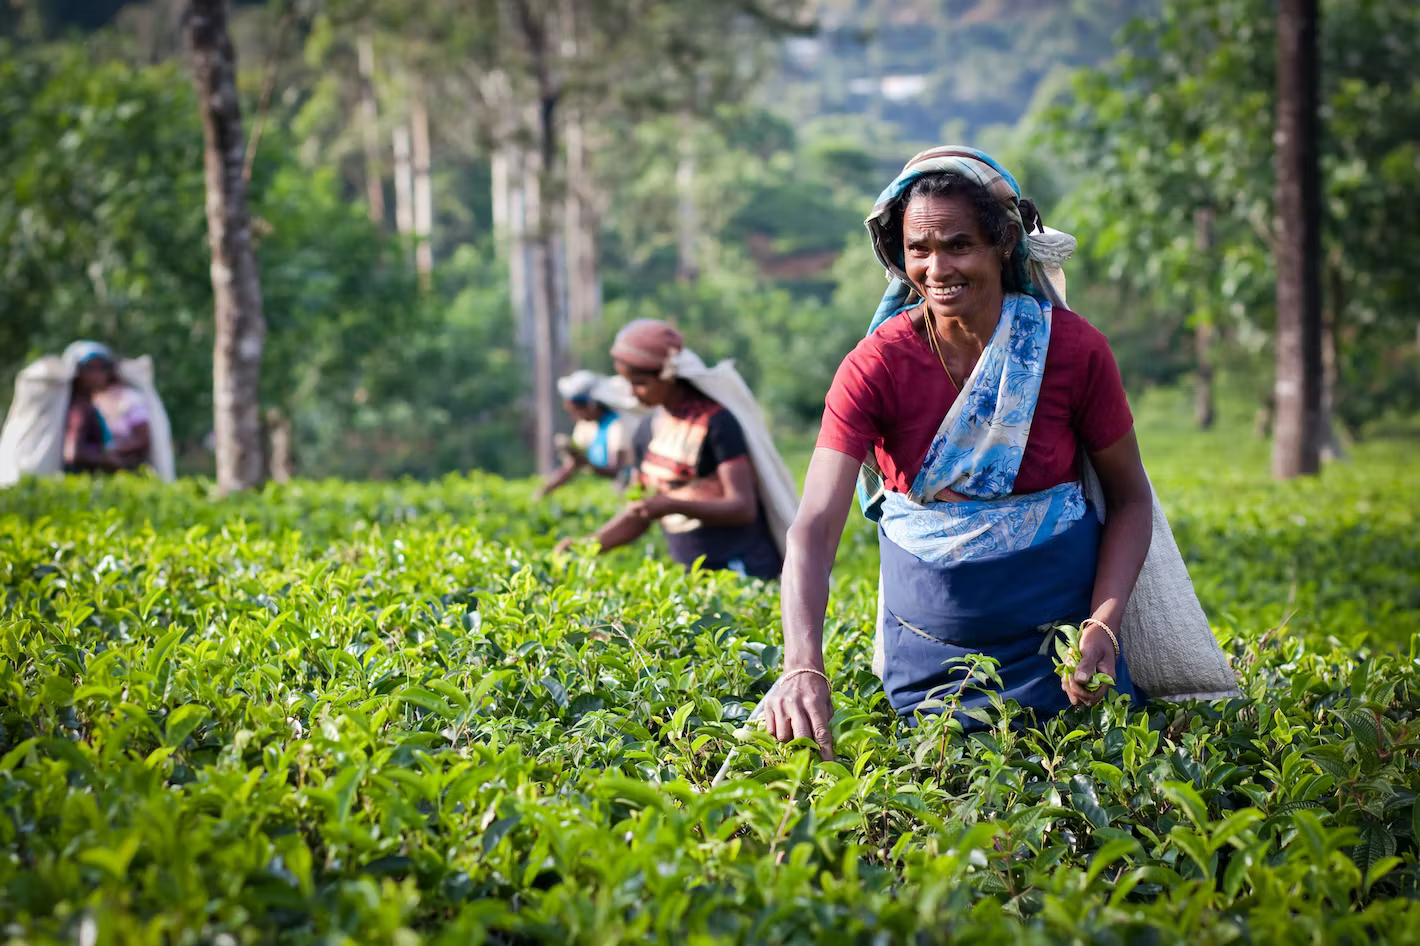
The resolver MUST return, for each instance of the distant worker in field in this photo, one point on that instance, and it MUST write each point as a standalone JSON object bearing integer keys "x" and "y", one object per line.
{"x": 605, "y": 416}
{"x": 971, "y": 418}
{"x": 87, "y": 411}
{"x": 107, "y": 425}
{"x": 705, "y": 460}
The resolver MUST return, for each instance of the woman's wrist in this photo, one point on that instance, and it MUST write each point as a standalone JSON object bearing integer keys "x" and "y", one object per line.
{"x": 805, "y": 654}
{"x": 1093, "y": 625}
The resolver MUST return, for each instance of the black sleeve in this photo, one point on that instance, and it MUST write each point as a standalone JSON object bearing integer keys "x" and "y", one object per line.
{"x": 724, "y": 441}
{"x": 641, "y": 441}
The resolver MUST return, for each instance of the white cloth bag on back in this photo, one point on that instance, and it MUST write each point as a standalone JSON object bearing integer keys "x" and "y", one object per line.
{"x": 32, "y": 441}
{"x": 777, "y": 489}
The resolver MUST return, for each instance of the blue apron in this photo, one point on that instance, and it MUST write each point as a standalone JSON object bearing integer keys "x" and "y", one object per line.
{"x": 1001, "y": 606}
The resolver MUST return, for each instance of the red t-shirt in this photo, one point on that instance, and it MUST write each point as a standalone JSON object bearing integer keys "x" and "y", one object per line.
{"x": 891, "y": 393}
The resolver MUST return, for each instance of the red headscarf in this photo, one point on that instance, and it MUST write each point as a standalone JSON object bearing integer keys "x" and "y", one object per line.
{"x": 648, "y": 344}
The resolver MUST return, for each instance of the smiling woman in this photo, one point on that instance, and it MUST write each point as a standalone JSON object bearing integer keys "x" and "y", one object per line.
{"x": 971, "y": 402}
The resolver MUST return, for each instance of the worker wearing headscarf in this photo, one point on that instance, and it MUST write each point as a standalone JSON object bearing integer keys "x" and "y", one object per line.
{"x": 604, "y": 414}
{"x": 717, "y": 485}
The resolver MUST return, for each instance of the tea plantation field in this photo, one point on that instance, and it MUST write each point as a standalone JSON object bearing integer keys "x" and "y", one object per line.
{"x": 384, "y": 713}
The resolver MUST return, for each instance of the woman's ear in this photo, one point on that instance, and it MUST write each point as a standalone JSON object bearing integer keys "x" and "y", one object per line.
{"x": 1013, "y": 242}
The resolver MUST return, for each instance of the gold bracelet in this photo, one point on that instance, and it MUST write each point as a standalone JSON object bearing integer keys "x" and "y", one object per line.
{"x": 1105, "y": 627}
{"x": 794, "y": 673}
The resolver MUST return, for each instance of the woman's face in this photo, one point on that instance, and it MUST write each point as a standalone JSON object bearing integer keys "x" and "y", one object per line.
{"x": 648, "y": 386}
{"x": 950, "y": 258}
{"x": 95, "y": 375}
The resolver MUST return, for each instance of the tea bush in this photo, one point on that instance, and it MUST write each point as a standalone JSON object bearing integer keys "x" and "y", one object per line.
{"x": 385, "y": 713}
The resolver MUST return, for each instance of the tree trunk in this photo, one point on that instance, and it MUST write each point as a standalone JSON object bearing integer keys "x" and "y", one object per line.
{"x": 1331, "y": 446}
{"x": 423, "y": 190}
{"x": 1203, "y": 410}
{"x": 280, "y": 460}
{"x": 580, "y": 235}
{"x": 500, "y": 177}
{"x": 536, "y": 31}
{"x": 543, "y": 279}
{"x": 236, "y": 284}
{"x": 687, "y": 214}
{"x": 579, "y": 230}
{"x": 1296, "y": 446}
{"x": 369, "y": 130}
{"x": 403, "y": 182}
{"x": 509, "y": 177}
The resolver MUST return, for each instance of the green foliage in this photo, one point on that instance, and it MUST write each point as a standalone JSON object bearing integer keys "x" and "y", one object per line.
{"x": 334, "y": 712}
{"x": 787, "y": 349}
{"x": 104, "y": 236}
{"x": 1180, "y": 121}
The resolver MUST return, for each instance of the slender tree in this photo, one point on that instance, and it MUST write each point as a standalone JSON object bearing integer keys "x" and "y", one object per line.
{"x": 236, "y": 283}
{"x": 1203, "y": 410}
{"x": 1296, "y": 446}
{"x": 370, "y": 128}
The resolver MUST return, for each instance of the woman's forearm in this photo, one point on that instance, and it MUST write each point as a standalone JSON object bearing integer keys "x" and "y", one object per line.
{"x": 623, "y": 529}
{"x": 1128, "y": 530}
{"x": 804, "y": 597}
{"x": 559, "y": 477}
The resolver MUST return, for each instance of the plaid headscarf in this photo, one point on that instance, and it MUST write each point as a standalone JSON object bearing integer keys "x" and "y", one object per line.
{"x": 1041, "y": 252}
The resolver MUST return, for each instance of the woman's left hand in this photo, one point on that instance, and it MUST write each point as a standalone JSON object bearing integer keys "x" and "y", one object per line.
{"x": 652, "y": 507}
{"x": 1096, "y": 656}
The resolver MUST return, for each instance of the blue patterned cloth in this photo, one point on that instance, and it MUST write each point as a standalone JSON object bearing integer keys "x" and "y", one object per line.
{"x": 977, "y": 453}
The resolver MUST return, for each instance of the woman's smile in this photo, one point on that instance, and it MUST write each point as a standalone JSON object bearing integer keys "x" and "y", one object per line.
{"x": 945, "y": 293}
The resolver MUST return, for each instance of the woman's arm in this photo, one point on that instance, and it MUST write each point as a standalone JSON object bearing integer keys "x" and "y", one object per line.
{"x": 78, "y": 452}
{"x": 622, "y": 529}
{"x": 73, "y": 429}
{"x": 1128, "y": 530}
{"x": 739, "y": 506}
{"x": 558, "y": 478}
{"x": 800, "y": 707}
{"x": 130, "y": 452}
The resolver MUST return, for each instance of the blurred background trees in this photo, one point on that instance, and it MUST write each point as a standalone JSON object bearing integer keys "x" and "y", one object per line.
{"x": 452, "y": 203}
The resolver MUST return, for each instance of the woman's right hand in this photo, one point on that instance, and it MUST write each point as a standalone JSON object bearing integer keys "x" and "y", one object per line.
{"x": 799, "y": 709}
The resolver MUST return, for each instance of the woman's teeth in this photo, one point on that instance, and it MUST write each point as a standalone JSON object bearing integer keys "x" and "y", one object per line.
{"x": 947, "y": 293}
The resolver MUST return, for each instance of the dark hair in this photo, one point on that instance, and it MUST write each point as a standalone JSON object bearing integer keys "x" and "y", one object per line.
{"x": 990, "y": 216}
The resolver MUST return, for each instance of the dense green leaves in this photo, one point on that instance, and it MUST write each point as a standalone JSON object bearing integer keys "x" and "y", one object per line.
{"x": 388, "y": 714}
{"x": 1180, "y": 123}
{"x": 102, "y": 235}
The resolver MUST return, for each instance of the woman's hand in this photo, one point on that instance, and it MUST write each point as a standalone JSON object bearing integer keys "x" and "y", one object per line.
{"x": 652, "y": 507}
{"x": 1096, "y": 656}
{"x": 799, "y": 709}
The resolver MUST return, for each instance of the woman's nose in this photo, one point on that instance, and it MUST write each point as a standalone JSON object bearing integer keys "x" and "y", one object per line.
{"x": 938, "y": 266}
